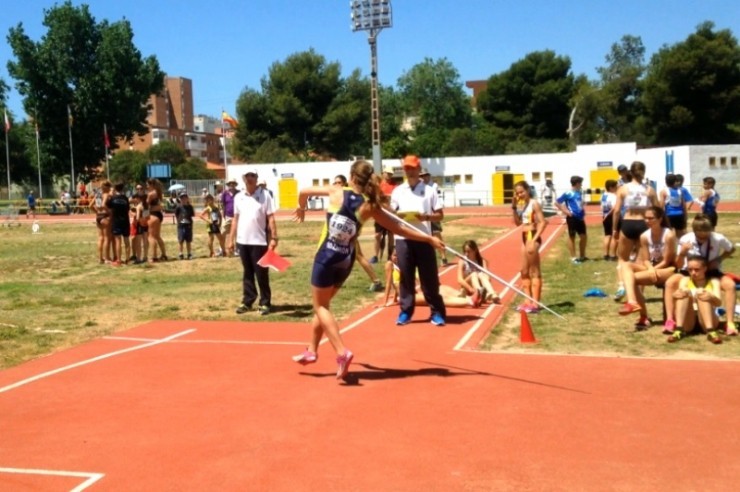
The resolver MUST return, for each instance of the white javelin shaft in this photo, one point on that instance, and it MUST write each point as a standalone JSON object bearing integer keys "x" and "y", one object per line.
{"x": 475, "y": 265}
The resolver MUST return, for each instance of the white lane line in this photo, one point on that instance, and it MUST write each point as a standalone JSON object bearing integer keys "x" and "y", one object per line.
{"x": 91, "y": 477}
{"x": 515, "y": 279}
{"x": 94, "y": 359}
{"x": 226, "y": 342}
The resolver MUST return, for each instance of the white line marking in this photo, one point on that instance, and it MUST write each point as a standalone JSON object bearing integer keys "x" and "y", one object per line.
{"x": 227, "y": 342}
{"x": 503, "y": 293}
{"x": 91, "y": 477}
{"x": 94, "y": 359}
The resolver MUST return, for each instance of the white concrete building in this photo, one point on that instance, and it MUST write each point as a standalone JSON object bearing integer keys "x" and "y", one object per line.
{"x": 489, "y": 180}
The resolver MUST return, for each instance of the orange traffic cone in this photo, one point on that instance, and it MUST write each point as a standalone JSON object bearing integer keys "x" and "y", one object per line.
{"x": 525, "y": 330}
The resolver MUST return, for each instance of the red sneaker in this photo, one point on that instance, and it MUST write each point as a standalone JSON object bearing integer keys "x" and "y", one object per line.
{"x": 628, "y": 308}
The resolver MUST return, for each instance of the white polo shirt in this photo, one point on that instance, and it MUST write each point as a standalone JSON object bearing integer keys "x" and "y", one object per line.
{"x": 253, "y": 211}
{"x": 711, "y": 249}
{"x": 421, "y": 199}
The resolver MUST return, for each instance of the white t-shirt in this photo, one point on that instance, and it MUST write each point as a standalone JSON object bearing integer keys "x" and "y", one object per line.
{"x": 253, "y": 211}
{"x": 422, "y": 199}
{"x": 717, "y": 244}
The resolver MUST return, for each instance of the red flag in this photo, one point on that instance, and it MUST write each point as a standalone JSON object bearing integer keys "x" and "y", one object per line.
{"x": 7, "y": 121}
{"x": 273, "y": 260}
{"x": 105, "y": 136}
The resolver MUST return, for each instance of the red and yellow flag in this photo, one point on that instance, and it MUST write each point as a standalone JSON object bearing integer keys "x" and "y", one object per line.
{"x": 226, "y": 118}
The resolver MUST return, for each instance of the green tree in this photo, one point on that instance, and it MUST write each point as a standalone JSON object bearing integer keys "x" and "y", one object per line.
{"x": 532, "y": 98}
{"x": 193, "y": 168}
{"x": 304, "y": 105}
{"x": 619, "y": 93}
{"x": 128, "y": 166}
{"x": 92, "y": 68}
{"x": 432, "y": 93}
{"x": 692, "y": 90}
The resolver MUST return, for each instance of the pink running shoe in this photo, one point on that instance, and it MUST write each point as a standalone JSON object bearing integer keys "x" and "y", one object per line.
{"x": 307, "y": 357}
{"x": 668, "y": 327}
{"x": 344, "y": 361}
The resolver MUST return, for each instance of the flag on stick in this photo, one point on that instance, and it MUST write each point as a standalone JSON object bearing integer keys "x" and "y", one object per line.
{"x": 226, "y": 118}
{"x": 273, "y": 260}
{"x": 7, "y": 121}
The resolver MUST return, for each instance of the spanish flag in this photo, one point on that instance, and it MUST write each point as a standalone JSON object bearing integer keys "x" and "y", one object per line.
{"x": 226, "y": 118}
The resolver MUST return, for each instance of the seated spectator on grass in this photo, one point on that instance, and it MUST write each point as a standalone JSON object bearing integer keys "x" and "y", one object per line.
{"x": 474, "y": 282}
{"x": 654, "y": 266}
{"x": 696, "y": 299}
{"x": 712, "y": 246}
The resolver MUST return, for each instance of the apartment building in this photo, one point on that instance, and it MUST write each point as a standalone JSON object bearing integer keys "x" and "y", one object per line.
{"x": 172, "y": 117}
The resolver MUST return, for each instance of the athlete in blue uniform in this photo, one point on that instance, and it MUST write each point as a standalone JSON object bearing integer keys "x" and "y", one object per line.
{"x": 348, "y": 209}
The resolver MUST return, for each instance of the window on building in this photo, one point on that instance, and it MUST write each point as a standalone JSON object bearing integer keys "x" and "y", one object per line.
{"x": 548, "y": 174}
{"x": 315, "y": 182}
{"x": 712, "y": 161}
{"x": 456, "y": 179}
{"x": 723, "y": 161}
{"x": 468, "y": 179}
{"x": 733, "y": 161}
{"x": 535, "y": 177}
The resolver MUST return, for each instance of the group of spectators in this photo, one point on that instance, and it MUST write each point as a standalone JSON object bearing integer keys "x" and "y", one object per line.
{"x": 646, "y": 234}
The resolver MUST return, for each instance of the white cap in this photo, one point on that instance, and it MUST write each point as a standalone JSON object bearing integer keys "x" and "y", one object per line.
{"x": 251, "y": 170}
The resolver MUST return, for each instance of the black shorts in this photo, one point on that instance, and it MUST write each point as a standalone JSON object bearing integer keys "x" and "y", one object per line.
{"x": 140, "y": 229}
{"x": 608, "y": 225}
{"x": 121, "y": 228}
{"x": 436, "y": 227}
{"x": 575, "y": 226}
{"x": 677, "y": 222}
{"x": 184, "y": 233}
{"x": 632, "y": 228}
{"x": 214, "y": 229}
{"x": 331, "y": 275}
{"x": 712, "y": 218}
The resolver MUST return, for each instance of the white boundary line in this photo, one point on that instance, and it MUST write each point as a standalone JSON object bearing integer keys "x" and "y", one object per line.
{"x": 91, "y": 477}
{"x": 477, "y": 325}
{"x": 215, "y": 342}
{"x": 94, "y": 359}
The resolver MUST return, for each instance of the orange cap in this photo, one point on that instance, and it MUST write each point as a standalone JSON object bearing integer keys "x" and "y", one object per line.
{"x": 411, "y": 161}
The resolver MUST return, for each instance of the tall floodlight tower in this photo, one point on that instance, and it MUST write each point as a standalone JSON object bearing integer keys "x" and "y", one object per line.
{"x": 372, "y": 16}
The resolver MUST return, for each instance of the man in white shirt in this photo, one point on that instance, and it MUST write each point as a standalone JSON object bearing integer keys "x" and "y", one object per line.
{"x": 255, "y": 231}
{"x": 418, "y": 204}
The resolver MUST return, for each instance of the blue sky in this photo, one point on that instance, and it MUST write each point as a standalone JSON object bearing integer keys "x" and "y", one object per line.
{"x": 227, "y": 45}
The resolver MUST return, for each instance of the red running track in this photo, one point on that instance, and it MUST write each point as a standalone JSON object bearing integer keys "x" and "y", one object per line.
{"x": 220, "y": 406}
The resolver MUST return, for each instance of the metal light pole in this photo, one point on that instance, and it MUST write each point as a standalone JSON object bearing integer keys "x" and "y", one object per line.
{"x": 372, "y": 16}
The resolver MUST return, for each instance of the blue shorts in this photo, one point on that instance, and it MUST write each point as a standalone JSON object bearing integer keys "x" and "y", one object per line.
{"x": 332, "y": 275}
{"x": 185, "y": 233}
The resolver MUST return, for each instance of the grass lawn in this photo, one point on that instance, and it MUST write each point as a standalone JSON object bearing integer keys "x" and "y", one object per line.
{"x": 54, "y": 294}
{"x": 593, "y": 326}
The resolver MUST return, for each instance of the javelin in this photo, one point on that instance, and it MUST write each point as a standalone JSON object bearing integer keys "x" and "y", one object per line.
{"x": 475, "y": 265}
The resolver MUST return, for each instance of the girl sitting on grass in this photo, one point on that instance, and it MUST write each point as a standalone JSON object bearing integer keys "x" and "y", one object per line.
{"x": 696, "y": 299}
{"x": 474, "y": 282}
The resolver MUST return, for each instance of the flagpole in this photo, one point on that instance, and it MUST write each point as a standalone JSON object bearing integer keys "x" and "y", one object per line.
{"x": 73, "y": 186}
{"x": 7, "y": 156}
{"x": 107, "y": 146}
{"x": 223, "y": 134}
{"x": 38, "y": 159}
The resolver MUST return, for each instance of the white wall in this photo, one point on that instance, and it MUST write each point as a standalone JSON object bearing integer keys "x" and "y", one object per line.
{"x": 692, "y": 162}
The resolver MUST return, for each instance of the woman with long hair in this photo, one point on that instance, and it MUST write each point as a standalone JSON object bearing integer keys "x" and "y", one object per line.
{"x": 154, "y": 199}
{"x": 473, "y": 281}
{"x": 654, "y": 266}
{"x": 528, "y": 214}
{"x": 348, "y": 209}
{"x": 633, "y": 199}
{"x": 102, "y": 221}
